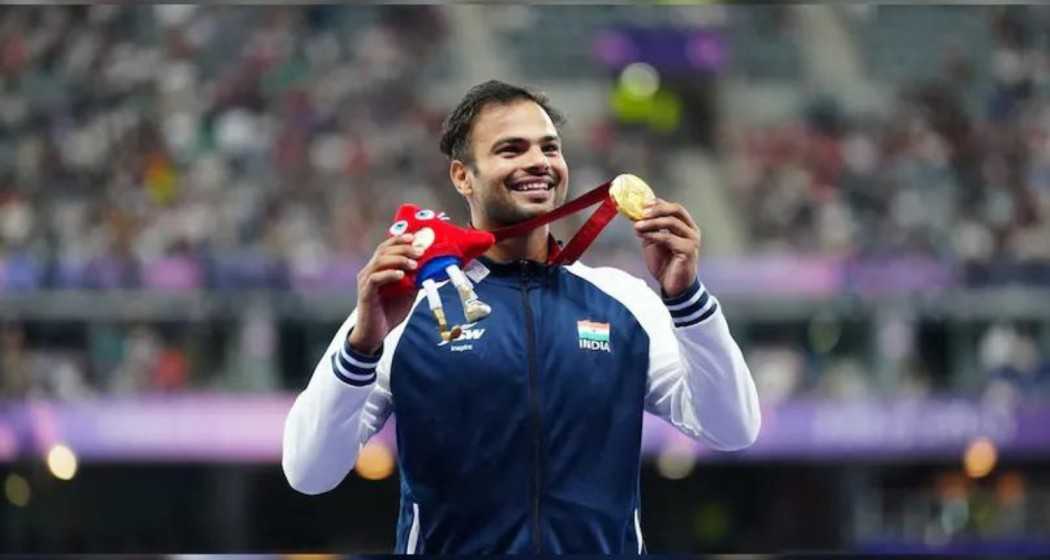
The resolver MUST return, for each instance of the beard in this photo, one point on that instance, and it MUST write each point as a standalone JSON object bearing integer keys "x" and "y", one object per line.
{"x": 503, "y": 207}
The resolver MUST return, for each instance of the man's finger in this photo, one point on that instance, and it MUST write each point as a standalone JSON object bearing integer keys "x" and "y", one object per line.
{"x": 672, "y": 224}
{"x": 401, "y": 249}
{"x": 672, "y": 242}
{"x": 397, "y": 244}
{"x": 383, "y": 277}
{"x": 661, "y": 207}
{"x": 396, "y": 240}
{"x": 395, "y": 262}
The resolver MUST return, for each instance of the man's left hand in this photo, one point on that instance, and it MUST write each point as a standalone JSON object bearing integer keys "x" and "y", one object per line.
{"x": 671, "y": 244}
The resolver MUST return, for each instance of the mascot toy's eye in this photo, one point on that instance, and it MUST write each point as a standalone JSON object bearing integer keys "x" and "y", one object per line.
{"x": 399, "y": 227}
{"x": 425, "y": 215}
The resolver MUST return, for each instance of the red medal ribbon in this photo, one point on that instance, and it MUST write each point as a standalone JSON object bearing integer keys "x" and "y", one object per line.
{"x": 583, "y": 238}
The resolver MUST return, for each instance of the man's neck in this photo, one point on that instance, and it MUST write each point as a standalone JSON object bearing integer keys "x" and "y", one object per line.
{"x": 532, "y": 246}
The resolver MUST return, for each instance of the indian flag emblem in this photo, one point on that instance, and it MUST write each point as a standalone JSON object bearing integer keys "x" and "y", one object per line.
{"x": 593, "y": 335}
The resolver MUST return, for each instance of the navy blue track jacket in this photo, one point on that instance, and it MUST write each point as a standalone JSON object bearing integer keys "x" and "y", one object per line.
{"x": 524, "y": 434}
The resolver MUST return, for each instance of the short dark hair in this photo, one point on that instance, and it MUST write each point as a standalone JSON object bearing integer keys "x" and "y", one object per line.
{"x": 455, "y": 131}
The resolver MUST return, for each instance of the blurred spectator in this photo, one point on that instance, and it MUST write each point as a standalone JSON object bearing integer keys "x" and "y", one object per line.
{"x": 1013, "y": 365}
{"x": 39, "y": 373}
{"x": 14, "y": 363}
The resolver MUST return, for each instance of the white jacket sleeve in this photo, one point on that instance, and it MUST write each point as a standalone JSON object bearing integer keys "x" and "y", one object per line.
{"x": 346, "y": 402}
{"x": 698, "y": 380}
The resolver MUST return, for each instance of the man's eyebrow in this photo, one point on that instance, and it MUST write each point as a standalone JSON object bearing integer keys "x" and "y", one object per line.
{"x": 521, "y": 140}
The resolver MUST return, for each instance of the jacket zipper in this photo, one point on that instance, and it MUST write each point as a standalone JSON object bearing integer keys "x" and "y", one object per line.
{"x": 534, "y": 411}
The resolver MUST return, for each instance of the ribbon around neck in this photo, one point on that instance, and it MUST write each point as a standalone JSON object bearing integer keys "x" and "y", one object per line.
{"x": 583, "y": 238}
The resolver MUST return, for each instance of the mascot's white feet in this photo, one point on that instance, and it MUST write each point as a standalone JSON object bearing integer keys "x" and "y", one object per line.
{"x": 475, "y": 310}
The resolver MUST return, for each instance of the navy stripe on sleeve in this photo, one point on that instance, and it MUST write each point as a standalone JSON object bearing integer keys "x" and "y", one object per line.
{"x": 691, "y": 307}
{"x": 353, "y": 367}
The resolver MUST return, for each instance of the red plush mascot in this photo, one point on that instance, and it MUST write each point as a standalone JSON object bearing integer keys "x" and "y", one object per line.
{"x": 447, "y": 248}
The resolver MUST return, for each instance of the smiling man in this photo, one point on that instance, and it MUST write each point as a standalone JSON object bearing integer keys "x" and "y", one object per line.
{"x": 526, "y": 435}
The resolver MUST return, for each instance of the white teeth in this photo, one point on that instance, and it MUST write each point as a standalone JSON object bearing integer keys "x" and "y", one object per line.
{"x": 532, "y": 187}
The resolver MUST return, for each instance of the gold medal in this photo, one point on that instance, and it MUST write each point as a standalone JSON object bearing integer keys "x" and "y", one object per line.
{"x": 631, "y": 194}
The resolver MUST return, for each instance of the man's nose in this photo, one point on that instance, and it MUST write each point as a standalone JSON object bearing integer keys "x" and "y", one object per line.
{"x": 537, "y": 161}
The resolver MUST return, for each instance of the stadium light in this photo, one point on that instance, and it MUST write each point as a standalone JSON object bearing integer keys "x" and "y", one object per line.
{"x": 62, "y": 462}
{"x": 640, "y": 79}
{"x": 980, "y": 458}
{"x": 16, "y": 488}
{"x": 676, "y": 462}
{"x": 375, "y": 462}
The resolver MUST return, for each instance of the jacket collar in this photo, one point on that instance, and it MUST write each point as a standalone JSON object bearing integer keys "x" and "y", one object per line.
{"x": 522, "y": 268}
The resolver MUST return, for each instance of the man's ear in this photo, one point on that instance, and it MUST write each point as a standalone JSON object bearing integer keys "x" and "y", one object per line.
{"x": 459, "y": 173}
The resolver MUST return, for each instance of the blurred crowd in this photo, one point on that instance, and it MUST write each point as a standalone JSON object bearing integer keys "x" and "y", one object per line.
{"x": 178, "y": 147}
{"x": 190, "y": 146}
{"x": 1003, "y": 362}
{"x": 955, "y": 169}
{"x": 931, "y": 175}
{"x": 185, "y": 146}
{"x": 76, "y": 361}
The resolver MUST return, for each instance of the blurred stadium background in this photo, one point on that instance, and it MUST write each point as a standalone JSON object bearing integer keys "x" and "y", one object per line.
{"x": 186, "y": 194}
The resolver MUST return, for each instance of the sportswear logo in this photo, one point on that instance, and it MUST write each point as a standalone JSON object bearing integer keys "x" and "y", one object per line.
{"x": 593, "y": 335}
{"x": 468, "y": 334}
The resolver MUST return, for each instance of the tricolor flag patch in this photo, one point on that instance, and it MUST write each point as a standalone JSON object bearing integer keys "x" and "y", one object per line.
{"x": 593, "y": 335}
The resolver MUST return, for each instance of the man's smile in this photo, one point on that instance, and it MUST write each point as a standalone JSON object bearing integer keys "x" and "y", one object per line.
{"x": 533, "y": 184}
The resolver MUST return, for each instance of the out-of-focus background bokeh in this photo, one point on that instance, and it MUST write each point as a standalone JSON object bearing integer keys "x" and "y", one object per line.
{"x": 187, "y": 193}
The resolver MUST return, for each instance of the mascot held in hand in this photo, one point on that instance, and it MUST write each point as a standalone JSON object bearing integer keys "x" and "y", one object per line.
{"x": 447, "y": 249}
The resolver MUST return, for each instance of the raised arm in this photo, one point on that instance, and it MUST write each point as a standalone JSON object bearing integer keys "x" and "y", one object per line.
{"x": 698, "y": 380}
{"x": 348, "y": 398}
{"x": 697, "y": 376}
{"x": 344, "y": 404}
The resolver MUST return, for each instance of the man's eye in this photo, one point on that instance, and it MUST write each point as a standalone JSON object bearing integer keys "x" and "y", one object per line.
{"x": 551, "y": 148}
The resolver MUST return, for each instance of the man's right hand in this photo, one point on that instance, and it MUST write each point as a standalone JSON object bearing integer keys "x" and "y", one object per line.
{"x": 377, "y": 316}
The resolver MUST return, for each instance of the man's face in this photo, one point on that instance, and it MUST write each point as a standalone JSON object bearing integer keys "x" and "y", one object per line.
{"x": 518, "y": 170}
